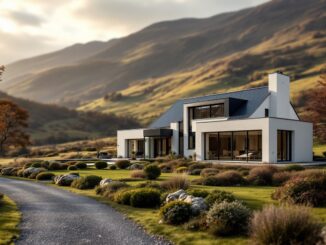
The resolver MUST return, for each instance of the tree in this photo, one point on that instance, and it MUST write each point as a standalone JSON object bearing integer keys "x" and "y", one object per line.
{"x": 13, "y": 122}
{"x": 317, "y": 108}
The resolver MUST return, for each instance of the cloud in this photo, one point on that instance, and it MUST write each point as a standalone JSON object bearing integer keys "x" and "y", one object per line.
{"x": 24, "y": 18}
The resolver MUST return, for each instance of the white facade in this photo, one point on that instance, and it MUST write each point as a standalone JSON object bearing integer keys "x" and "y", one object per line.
{"x": 281, "y": 134}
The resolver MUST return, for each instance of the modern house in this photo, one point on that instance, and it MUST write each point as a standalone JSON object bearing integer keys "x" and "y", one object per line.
{"x": 258, "y": 124}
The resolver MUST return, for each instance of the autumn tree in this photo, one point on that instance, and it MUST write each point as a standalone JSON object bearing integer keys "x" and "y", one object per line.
{"x": 317, "y": 108}
{"x": 13, "y": 122}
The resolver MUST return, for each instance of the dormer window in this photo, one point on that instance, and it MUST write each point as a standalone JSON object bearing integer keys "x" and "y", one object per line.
{"x": 208, "y": 111}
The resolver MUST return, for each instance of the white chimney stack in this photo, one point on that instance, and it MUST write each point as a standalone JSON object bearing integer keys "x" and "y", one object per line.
{"x": 279, "y": 87}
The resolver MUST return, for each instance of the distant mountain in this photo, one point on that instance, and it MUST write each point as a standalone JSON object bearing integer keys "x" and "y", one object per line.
{"x": 168, "y": 60}
{"x": 54, "y": 124}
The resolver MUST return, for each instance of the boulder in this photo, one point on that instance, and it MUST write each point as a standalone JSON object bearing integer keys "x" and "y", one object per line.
{"x": 104, "y": 182}
{"x": 198, "y": 204}
{"x": 65, "y": 180}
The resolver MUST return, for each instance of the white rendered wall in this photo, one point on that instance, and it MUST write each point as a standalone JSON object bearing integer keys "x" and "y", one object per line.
{"x": 123, "y": 136}
{"x": 302, "y": 139}
{"x": 186, "y": 151}
{"x": 279, "y": 88}
{"x": 175, "y": 138}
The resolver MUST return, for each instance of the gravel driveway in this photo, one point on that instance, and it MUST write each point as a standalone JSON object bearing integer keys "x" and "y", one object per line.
{"x": 54, "y": 216}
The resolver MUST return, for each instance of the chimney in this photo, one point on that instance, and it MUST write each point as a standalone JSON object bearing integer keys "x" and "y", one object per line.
{"x": 279, "y": 88}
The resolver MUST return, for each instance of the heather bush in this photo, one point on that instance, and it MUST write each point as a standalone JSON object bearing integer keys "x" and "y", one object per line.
{"x": 72, "y": 168}
{"x": 175, "y": 183}
{"x": 101, "y": 165}
{"x": 45, "y": 176}
{"x": 36, "y": 165}
{"x": 218, "y": 196}
{"x": 262, "y": 175}
{"x": 152, "y": 171}
{"x": 199, "y": 166}
{"x": 112, "y": 167}
{"x": 111, "y": 188}
{"x": 294, "y": 167}
{"x": 165, "y": 167}
{"x": 81, "y": 165}
{"x": 279, "y": 178}
{"x": 64, "y": 166}
{"x": 123, "y": 164}
{"x": 206, "y": 172}
{"x": 227, "y": 178}
{"x": 54, "y": 166}
{"x": 307, "y": 190}
{"x": 175, "y": 212}
{"x": 138, "y": 174}
{"x": 228, "y": 218}
{"x": 149, "y": 184}
{"x": 87, "y": 182}
{"x": 181, "y": 170}
{"x": 196, "y": 224}
{"x": 196, "y": 171}
{"x": 285, "y": 225}
{"x": 145, "y": 198}
{"x": 123, "y": 196}
{"x": 198, "y": 193}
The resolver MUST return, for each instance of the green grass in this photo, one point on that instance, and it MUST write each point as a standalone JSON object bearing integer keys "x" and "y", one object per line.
{"x": 9, "y": 220}
{"x": 319, "y": 149}
{"x": 254, "y": 197}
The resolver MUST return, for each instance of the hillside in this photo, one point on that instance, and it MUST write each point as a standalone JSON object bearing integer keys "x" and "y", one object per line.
{"x": 53, "y": 124}
{"x": 165, "y": 61}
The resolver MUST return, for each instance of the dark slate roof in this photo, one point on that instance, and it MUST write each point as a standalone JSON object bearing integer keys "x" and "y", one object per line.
{"x": 254, "y": 97}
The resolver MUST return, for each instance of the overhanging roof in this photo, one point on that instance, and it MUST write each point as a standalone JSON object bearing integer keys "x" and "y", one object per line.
{"x": 158, "y": 132}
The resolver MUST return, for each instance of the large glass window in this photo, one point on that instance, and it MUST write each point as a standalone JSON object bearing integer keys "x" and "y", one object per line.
{"x": 135, "y": 148}
{"x": 217, "y": 110}
{"x": 225, "y": 146}
{"x": 284, "y": 145}
{"x": 201, "y": 112}
{"x": 206, "y": 111}
{"x": 237, "y": 145}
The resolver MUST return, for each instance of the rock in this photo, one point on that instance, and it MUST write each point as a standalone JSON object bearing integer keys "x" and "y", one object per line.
{"x": 198, "y": 204}
{"x": 105, "y": 182}
{"x": 65, "y": 180}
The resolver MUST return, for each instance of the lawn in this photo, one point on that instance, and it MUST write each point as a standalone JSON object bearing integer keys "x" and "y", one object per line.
{"x": 9, "y": 220}
{"x": 254, "y": 197}
{"x": 319, "y": 149}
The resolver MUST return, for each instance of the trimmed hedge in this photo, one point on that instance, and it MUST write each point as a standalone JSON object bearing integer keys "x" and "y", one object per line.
{"x": 81, "y": 165}
{"x": 101, "y": 165}
{"x": 145, "y": 198}
{"x": 123, "y": 164}
{"x": 87, "y": 182}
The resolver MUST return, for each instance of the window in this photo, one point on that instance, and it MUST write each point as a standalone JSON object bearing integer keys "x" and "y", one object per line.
{"x": 192, "y": 140}
{"x": 284, "y": 145}
{"x": 202, "y": 112}
{"x": 217, "y": 110}
{"x": 225, "y": 146}
{"x": 206, "y": 111}
{"x": 266, "y": 112}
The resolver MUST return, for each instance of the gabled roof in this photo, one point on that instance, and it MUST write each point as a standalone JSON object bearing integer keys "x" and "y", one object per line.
{"x": 254, "y": 98}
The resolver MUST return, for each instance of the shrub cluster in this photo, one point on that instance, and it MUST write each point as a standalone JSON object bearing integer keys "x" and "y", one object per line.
{"x": 152, "y": 171}
{"x": 227, "y": 178}
{"x": 101, "y": 165}
{"x": 81, "y": 165}
{"x": 228, "y": 218}
{"x": 140, "y": 197}
{"x": 123, "y": 164}
{"x": 262, "y": 175}
{"x": 176, "y": 212}
{"x": 218, "y": 196}
{"x": 109, "y": 189}
{"x": 175, "y": 183}
{"x": 285, "y": 225}
{"x": 45, "y": 176}
{"x": 87, "y": 182}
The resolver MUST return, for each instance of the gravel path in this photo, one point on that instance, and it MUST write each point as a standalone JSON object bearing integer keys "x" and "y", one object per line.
{"x": 54, "y": 216}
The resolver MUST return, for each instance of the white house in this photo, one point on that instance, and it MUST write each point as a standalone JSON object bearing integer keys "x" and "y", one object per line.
{"x": 258, "y": 124}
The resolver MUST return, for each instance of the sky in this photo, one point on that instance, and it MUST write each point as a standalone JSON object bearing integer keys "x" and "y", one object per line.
{"x": 33, "y": 27}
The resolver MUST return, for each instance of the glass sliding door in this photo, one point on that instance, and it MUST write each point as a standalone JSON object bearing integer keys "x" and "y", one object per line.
{"x": 254, "y": 145}
{"x": 135, "y": 148}
{"x": 162, "y": 146}
{"x": 225, "y": 146}
{"x": 212, "y": 146}
{"x": 284, "y": 145}
{"x": 239, "y": 149}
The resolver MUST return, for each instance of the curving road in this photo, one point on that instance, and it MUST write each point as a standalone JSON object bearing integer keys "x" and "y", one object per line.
{"x": 54, "y": 216}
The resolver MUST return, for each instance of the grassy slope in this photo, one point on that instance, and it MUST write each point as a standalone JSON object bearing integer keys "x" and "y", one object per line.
{"x": 254, "y": 197}
{"x": 9, "y": 220}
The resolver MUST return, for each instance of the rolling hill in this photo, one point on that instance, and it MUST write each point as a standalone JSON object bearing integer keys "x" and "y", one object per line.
{"x": 50, "y": 124}
{"x": 152, "y": 68}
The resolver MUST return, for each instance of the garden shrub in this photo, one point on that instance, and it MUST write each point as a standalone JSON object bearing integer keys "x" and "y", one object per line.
{"x": 64, "y": 166}
{"x": 165, "y": 167}
{"x": 112, "y": 167}
{"x": 196, "y": 224}
{"x": 228, "y": 218}
{"x": 206, "y": 172}
{"x": 294, "y": 167}
{"x": 45, "y": 176}
{"x": 175, "y": 183}
{"x": 87, "y": 182}
{"x": 72, "y": 168}
{"x": 198, "y": 193}
{"x": 279, "y": 178}
{"x": 101, "y": 165}
{"x": 7, "y": 171}
{"x": 152, "y": 171}
{"x": 27, "y": 165}
{"x": 262, "y": 175}
{"x": 196, "y": 171}
{"x": 123, "y": 164}
{"x": 111, "y": 188}
{"x": 176, "y": 212}
{"x": 81, "y": 165}
{"x": 149, "y": 184}
{"x": 227, "y": 178}
{"x": 71, "y": 163}
{"x": 20, "y": 173}
{"x": 181, "y": 170}
{"x": 123, "y": 196}
{"x": 145, "y": 198}
{"x": 54, "y": 166}
{"x": 285, "y": 225}
{"x": 36, "y": 165}
{"x": 307, "y": 190}
{"x": 218, "y": 196}
{"x": 138, "y": 174}
{"x": 199, "y": 166}
{"x": 34, "y": 174}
